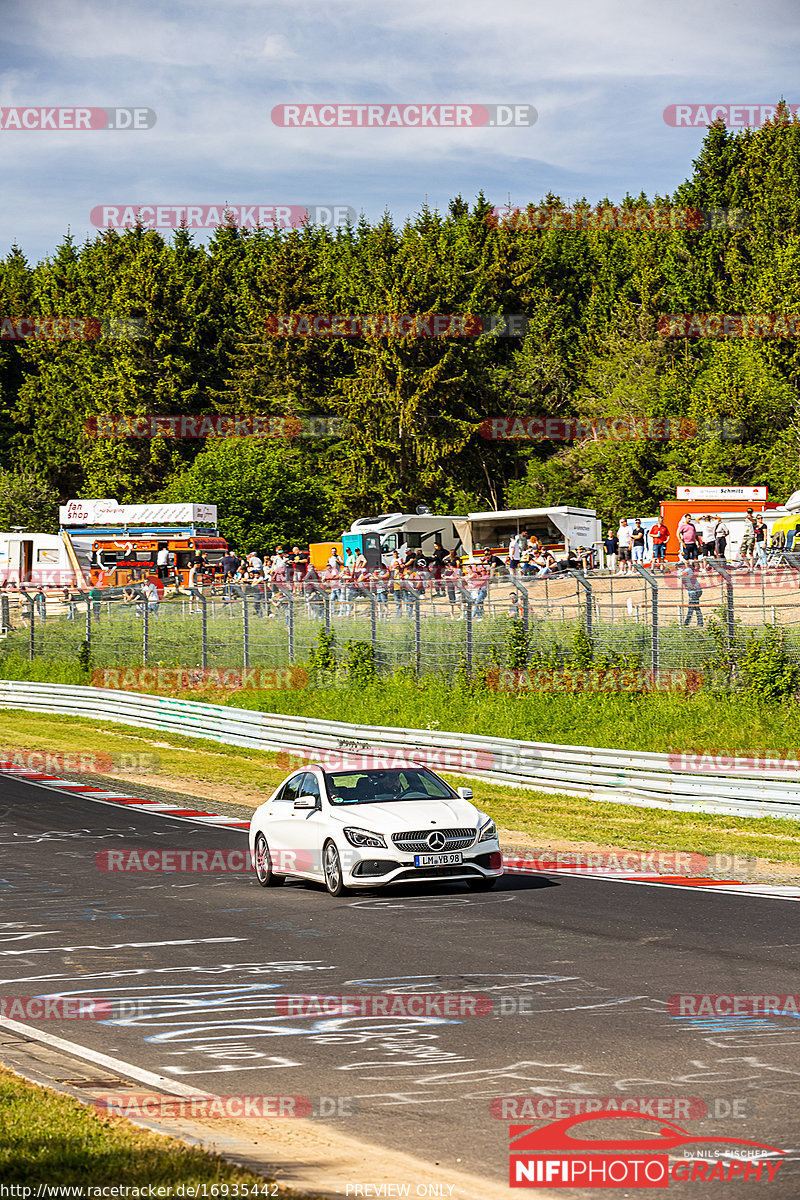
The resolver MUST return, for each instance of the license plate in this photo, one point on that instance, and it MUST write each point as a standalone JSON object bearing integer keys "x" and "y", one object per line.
{"x": 438, "y": 860}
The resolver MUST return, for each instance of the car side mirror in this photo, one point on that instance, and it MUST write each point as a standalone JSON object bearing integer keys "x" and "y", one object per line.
{"x": 465, "y": 793}
{"x": 305, "y": 802}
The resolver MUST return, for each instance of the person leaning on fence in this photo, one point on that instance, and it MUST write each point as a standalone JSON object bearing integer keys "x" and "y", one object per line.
{"x": 479, "y": 586}
{"x": 313, "y": 592}
{"x": 453, "y": 576}
{"x": 694, "y": 591}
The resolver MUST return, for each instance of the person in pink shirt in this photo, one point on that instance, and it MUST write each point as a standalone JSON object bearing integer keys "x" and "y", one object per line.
{"x": 687, "y": 536}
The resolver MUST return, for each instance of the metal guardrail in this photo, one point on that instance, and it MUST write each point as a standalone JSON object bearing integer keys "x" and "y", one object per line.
{"x": 622, "y": 776}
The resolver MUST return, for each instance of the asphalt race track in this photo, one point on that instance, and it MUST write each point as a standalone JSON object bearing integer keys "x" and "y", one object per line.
{"x": 580, "y": 972}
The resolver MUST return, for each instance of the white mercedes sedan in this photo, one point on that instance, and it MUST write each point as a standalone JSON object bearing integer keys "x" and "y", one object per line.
{"x": 356, "y": 828}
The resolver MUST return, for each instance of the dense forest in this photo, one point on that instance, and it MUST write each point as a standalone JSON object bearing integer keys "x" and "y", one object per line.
{"x": 195, "y": 339}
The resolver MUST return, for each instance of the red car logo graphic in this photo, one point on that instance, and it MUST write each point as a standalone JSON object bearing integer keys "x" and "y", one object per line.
{"x": 556, "y": 1136}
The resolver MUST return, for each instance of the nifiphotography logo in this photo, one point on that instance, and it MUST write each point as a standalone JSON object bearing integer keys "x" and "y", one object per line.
{"x": 552, "y": 1156}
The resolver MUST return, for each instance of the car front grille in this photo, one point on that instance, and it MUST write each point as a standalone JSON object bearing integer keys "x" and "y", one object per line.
{"x": 416, "y": 840}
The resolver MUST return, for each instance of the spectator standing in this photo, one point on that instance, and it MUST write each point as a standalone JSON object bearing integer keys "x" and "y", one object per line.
{"x": 687, "y": 537}
{"x": 514, "y": 554}
{"x": 331, "y": 579}
{"x": 162, "y": 561}
{"x": 709, "y": 540}
{"x": 313, "y": 592}
{"x": 152, "y": 597}
{"x": 760, "y": 539}
{"x": 229, "y": 564}
{"x": 380, "y": 587}
{"x": 659, "y": 536}
{"x": 624, "y": 536}
{"x": 611, "y": 546}
{"x": 479, "y": 586}
{"x": 747, "y": 548}
{"x": 694, "y": 591}
{"x": 40, "y": 600}
{"x": 721, "y": 535}
{"x": 438, "y": 559}
{"x": 194, "y": 587}
{"x": 637, "y": 541}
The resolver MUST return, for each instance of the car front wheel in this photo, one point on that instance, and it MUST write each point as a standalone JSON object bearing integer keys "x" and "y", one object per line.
{"x": 263, "y": 864}
{"x": 333, "y": 870}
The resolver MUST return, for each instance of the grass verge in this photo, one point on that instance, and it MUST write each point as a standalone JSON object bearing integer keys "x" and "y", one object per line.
{"x": 48, "y": 1138}
{"x": 228, "y": 772}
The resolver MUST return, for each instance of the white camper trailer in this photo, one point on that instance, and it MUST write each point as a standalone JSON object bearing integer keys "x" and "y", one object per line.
{"x": 559, "y": 528}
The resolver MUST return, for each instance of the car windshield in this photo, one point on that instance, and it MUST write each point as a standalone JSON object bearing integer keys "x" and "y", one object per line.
{"x": 374, "y": 787}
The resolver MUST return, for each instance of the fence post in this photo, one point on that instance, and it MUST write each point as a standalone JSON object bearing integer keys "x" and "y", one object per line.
{"x": 724, "y": 572}
{"x": 245, "y": 634}
{"x": 417, "y": 633}
{"x": 526, "y": 606}
{"x": 203, "y": 629}
{"x": 5, "y": 612}
{"x": 581, "y": 582}
{"x": 88, "y": 622}
{"x": 650, "y": 578}
{"x": 326, "y": 596}
{"x": 290, "y": 625}
{"x": 31, "y": 631}
{"x": 467, "y": 626}
{"x": 145, "y": 627}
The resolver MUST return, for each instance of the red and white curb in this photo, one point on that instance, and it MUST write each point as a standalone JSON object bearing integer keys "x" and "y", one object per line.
{"x": 514, "y": 865}
{"x": 103, "y": 796}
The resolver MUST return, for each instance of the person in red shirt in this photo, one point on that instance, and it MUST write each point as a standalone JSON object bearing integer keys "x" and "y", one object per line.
{"x": 659, "y": 536}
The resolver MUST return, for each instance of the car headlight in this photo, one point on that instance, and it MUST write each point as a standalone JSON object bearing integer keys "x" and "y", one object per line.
{"x": 362, "y": 837}
{"x": 487, "y": 832}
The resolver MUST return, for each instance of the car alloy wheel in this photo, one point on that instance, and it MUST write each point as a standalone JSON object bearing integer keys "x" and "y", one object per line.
{"x": 263, "y": 864}
{"x": 333, "y": 870}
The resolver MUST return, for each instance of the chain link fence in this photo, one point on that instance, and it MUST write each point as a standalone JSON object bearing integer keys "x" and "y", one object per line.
{"x": 650, "y": 620}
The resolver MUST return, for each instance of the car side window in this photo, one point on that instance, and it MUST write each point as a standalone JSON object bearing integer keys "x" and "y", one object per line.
{"x": 310, "y": 786}
{"x": 290, "y": 790}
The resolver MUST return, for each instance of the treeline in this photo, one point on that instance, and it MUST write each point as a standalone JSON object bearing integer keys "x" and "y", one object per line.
{"x": 185, "y": 331}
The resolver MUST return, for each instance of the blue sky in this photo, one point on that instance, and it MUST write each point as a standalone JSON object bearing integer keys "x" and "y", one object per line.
{"x": 599, "y": 75}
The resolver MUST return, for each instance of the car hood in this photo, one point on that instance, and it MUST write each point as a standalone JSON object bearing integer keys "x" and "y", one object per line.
{"x": 397, "y": 815}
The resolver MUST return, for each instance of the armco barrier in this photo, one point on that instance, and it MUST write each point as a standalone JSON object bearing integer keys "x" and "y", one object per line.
{"x": 621, "y": 776}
